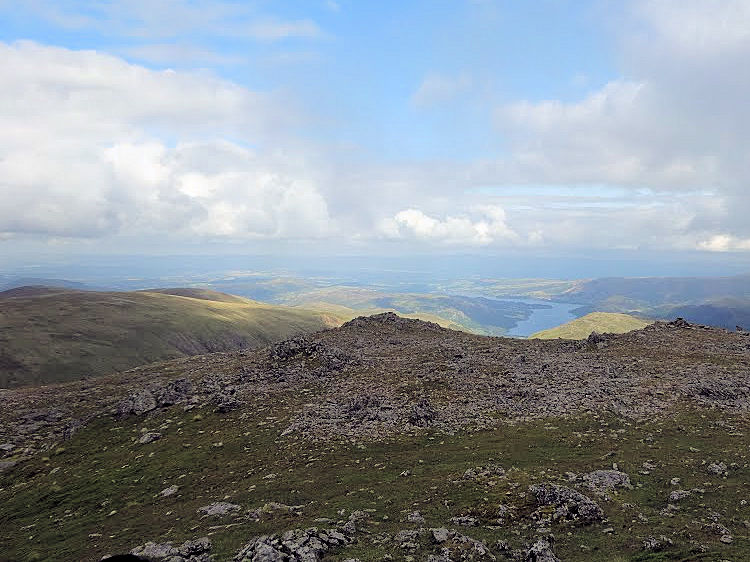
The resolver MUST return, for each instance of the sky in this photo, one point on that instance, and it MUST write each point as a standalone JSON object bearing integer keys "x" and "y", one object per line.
{"x": 362, "y": 127}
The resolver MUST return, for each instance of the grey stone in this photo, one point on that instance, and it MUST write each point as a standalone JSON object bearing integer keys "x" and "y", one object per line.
{"x": 465, "y": 521}
{"x": 149, "y": 438}
{"x": 155, "y": 396}
{"x": 219, "y": 509}
{"x": 571, "y": 505}
{"x": 166, "y": 492}
{"x": 719, "y": 469}
{"x": 300, "y": 545}
{"x": 677, "y": 495}
{"x": 137, "y": 404}
{"x": 152, "y": 550}
{"x": 173, "y": 392}
{"x": 440, "y": 535}
{"x": 415, "y": 517}
{"x": 607, "y": 480}
{"x": 541, "y": 551}
{"x": 657, "y": 544}
{"x": 198, "y": 550}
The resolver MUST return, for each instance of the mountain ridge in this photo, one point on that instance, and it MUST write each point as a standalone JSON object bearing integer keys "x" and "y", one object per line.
{"x": 49, "y": 334}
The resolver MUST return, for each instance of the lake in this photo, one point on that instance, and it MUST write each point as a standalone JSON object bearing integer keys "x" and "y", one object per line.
{"x": 544, "y": 315}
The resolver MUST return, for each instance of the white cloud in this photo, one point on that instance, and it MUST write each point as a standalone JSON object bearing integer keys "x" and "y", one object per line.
{"x": 698, "y": 27}
{"x": 436, "y": 89}
{"x": 86, "y": 149}
{"x": 724, "y": 243}
{"x": 488, "y": 227}
{"x": 678, "y": 124}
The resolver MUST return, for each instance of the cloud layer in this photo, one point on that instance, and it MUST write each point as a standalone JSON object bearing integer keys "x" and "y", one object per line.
{"x": 93, "y": 146}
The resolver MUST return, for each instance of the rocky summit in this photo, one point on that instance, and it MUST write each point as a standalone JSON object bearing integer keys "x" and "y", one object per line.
{"x": 392, "y": 439}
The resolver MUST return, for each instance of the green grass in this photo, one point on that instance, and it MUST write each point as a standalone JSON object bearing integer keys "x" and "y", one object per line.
{"x": 601, "y": 322}
{"x": 59, "y": 335}
{"x": 100, "y": 494}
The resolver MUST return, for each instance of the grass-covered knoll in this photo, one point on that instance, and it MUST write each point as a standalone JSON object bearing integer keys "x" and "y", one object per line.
{"x": 601, "y": 322}
{"x": 100, "y": 492}
{"x": 49, "y": 334}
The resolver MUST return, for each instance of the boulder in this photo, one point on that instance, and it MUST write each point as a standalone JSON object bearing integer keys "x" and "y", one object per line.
{"x": 198, "y": 550}
{"x": 149, "y": 438}
{"x": 302, "y": 545}
{"x": 219, "y": 509}
{"x": 540, "y": 551}
{"x": 571, "y": 505}
{"x": 607, "y": 480}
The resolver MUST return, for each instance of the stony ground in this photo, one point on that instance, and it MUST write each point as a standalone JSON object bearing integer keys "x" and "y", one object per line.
{"x": 392, "y": 439}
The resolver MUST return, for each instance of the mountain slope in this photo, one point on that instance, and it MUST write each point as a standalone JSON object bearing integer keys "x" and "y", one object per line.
{"x": 54, "y": 334}
{"x": 601, "y": 322}
{"x": 389, "y": 438}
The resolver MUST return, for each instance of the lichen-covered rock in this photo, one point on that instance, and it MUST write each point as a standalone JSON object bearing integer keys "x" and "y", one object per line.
{"x": 717, "y": 468}
{"x": 570, "y": 504}
{"x": 657, "y": 544}
{"x": 149, "y": 437}
{"x": 153, "y": 397}
{"x": 465, "y": 521}
{"x": 170, "y": 491}
{"x": 137, "y": 404}
{"x": 540, "y": 551}
{"x": 607, "y": 480}
{"x": 198, "y": 550}
{"x": 677, "y": 495}
{"x": 219, "y": 509}
{"x": 172, "y": 393}
{"x": 297, "y": 545}
{"x": 415, "y": 517}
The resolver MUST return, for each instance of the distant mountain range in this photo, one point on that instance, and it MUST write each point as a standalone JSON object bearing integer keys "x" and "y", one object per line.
{"x": 716, "y": 301}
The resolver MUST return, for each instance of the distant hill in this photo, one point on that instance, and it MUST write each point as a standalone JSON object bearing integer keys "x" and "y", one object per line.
{"x": 642, "y": 292}
{"x": 480, "y": 315}
{"x": 52, "y": 334}
{"x": 724, "y": 313}
{"x": 21, "y": 282}
{"x": 602, "y": 322}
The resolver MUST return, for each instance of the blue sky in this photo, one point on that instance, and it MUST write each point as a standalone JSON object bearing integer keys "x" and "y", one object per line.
{"x": 465, "y": 125}
{"x": 363, "y": 65}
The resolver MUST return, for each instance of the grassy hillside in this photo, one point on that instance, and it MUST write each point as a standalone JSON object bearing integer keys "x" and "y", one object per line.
{"x": 49, "y": 334}
{"x": 602, "y": 322}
